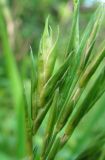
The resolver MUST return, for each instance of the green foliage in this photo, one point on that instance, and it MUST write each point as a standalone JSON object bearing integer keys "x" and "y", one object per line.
{"x": 17, "y": 89}
{"x": 54, "y": 96}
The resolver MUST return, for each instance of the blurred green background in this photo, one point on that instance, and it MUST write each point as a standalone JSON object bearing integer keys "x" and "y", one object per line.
{"x": 25, "y": 23}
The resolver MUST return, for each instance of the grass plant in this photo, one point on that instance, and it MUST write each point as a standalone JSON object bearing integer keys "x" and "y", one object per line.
{"x": 57, "y": 93}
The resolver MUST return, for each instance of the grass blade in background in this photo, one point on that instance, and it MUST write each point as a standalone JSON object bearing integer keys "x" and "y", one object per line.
{"x": 16, "y": 88}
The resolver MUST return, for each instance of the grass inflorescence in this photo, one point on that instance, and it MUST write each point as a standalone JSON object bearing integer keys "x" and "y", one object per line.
{"x": 56, "y": 93}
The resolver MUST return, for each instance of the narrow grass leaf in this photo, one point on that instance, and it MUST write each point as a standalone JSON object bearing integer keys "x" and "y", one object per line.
{"x": 16, "y": 88}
